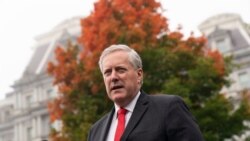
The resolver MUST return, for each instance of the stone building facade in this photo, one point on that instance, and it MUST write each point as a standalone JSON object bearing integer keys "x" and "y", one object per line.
{"x": 23, "y": 113}
{"x": 229, "y": 34}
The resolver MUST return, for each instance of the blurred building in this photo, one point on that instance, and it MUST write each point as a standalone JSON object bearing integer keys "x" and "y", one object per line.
{"x": 7, "y": 118}
{"x": 23, "y": 114}
{"x": 229, "y": 34}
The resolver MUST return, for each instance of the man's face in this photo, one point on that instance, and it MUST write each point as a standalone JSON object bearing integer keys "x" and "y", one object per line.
{"x": 121, "y": 80}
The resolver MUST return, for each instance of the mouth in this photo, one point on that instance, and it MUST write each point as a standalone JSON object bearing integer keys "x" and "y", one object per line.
{"x": 116, "y": 87}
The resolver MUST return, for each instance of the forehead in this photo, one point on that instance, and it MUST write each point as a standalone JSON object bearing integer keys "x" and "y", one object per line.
{"x": 117, "y": 57}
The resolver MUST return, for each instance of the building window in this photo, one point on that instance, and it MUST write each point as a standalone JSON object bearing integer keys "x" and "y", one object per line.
{"x": 49, "y": 93}
{"x": 222, "y": 45}
{"x": 29, "y": 134}
{"x": 46, "y": 125}
{"x": 29, "y": 100}
{"x": 6, "y": 115}
{"x": 244, "y": 79}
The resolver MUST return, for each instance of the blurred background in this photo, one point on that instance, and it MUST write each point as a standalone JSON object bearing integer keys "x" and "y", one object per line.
{"x": 31, "y": 30}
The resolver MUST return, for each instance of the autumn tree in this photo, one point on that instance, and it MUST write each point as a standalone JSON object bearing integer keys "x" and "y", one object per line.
{"x": 172, "y": 65}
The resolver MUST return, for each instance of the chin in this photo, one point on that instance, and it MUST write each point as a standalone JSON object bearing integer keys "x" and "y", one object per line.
{"x": 118, "y": 93}
{"x": 118, "y": 98}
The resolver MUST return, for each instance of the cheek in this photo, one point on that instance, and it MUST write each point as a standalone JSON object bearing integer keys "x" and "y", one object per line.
{"x": 131, "y": 80}
{"x": 105, "y": 81}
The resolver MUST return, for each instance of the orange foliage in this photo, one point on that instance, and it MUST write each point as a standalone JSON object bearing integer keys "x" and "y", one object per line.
{"x": 116, "y": 21}
{"x": 218, "y": 59}
{"x": 176, "y": 35}
{"x": 196, "y": 45}
{"x": 54, "y": 106}
{"x": 67, "y": 77}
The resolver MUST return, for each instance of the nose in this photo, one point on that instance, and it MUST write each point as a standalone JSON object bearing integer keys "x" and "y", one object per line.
{"x": 114, "y": 76}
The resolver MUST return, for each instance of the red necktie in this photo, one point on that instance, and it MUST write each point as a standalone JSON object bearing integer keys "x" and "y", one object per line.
{"x": 121, "y": 124}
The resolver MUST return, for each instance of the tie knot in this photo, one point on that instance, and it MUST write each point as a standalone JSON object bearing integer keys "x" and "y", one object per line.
{"x": 122, "y": 111}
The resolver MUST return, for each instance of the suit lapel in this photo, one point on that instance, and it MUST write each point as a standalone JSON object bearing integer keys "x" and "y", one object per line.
{"x": 106, "y": 126}
{"x": 140, "y": 108}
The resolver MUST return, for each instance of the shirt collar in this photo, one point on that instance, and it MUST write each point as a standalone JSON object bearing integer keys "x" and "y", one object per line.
{"x": 130, "y": 107}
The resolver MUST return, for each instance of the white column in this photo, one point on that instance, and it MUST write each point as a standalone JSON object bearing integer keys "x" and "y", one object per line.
{"x": 16, "y": 133}
{"x": 39, "y": 125}
{"x": 39, "y": 94}
{"x": 1, "y": 117}
{"x": 16, "y": 101}
{"x": 20, "y": 101}
{"x": 21, "y": 132}
{"x": 34, "y": 127}
{"x": 35, "y": 94}
{"x": 43, "y": 93}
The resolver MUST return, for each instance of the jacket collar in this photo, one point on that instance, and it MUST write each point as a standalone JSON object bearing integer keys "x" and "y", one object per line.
{"x": 139, "y": 110}
{"x": 107, "y": 123}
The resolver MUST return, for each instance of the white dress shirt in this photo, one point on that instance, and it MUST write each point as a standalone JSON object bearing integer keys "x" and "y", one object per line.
{"x": 130, "y": 108}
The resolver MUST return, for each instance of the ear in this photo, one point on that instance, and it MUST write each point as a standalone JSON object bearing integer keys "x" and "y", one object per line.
{"x": 140, "y": 75}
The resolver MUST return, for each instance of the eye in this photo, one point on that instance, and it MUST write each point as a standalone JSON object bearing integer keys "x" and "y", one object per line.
{"x": 107, "y": 72}
{"x": 121, "y": 70}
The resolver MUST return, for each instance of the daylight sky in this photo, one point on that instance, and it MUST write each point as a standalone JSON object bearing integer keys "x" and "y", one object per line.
{"x": 23, "y": 20}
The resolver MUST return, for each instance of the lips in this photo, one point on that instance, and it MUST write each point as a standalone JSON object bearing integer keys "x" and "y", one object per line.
{"x": 116, "y": 87}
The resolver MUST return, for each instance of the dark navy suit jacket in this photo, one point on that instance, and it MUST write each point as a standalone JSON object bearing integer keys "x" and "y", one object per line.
{"x": 155, "y": 118}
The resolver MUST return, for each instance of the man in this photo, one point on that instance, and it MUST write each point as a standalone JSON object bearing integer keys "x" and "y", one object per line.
{"x": 137, "y": 116}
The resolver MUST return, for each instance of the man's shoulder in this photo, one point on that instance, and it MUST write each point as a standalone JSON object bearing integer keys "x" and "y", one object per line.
{"x": 169, "y": 102}
{"x": 165, "y": 98}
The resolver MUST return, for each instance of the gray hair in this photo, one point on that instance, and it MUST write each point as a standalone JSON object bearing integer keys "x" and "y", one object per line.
{"x": 134, "y": 57}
